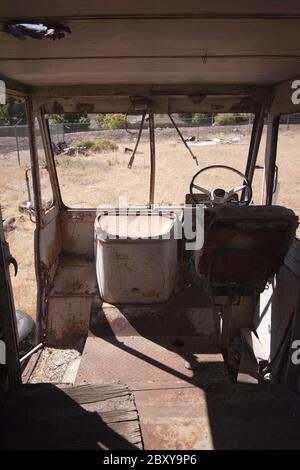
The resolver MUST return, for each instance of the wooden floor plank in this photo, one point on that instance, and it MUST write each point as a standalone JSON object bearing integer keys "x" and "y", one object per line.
{"x": 43, "y": 416}
{"x": 41, "y": 396}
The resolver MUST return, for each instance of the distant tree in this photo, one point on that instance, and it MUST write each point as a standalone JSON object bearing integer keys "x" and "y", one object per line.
{"x": 186, "y": 117}
{"x": 195, "y": 118}
{"x": 12, "y": 112}
{"x": 200, "y": 118}
{"x": 111, "y": 121}
{"x": 71, "y": 118}
{"x": 230, "y": 118}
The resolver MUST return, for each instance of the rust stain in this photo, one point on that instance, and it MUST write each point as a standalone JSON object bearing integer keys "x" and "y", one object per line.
{"x": 177, "y": 434}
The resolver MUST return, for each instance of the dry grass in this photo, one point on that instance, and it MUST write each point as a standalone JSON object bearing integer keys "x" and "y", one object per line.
{"x": 13, "y": 191}
{"x": 105, "y": 177}
{"x": 99, "y": 179}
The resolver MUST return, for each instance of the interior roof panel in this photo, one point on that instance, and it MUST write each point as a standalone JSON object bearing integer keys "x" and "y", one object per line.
{"x": 165, "y": 37}
{"x": 232, "y": 50}
{"x": 151, "y": 71}
{"x": 36, "y": 8}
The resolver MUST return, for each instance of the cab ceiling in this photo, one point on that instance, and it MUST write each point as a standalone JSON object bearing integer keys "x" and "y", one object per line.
{"x": 155, "y": 43}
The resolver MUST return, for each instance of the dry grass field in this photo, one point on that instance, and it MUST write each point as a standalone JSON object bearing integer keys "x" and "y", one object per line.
{"x": 90, "y": 181}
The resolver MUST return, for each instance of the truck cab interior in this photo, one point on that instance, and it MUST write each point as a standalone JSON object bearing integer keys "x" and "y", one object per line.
{"x": 181, "y": 345}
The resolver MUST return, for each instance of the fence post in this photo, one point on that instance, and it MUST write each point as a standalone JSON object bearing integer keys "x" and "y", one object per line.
{"x": 17, "y": 143}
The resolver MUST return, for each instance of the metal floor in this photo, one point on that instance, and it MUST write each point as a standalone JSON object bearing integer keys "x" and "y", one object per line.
{"x": 180, "y": 407}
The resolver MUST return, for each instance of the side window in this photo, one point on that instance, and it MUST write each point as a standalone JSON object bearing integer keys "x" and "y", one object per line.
{"x": 288, "y": 158}
{"x": 46, "y": 189}
{"x": 14, "y": 199}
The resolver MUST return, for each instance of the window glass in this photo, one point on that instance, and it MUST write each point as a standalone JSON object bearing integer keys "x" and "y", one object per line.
{"x": 93, "y": 153}
{"x": 220, "y": 139}
{"x": 92, "y": 156}
{"x": 19, "y": 230}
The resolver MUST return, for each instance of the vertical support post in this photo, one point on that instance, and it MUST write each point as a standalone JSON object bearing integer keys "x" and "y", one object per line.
{"x": 270, "y": 159}
{"x": 152, "y": 158}
{"x": 257, "y": 130}
{"x": 28, "y": 184}
{"x": 8, "y": 315}
{"x": 37, "y": 207}
{"x": 17, "y": 144}
{"x": 46, "y": 139}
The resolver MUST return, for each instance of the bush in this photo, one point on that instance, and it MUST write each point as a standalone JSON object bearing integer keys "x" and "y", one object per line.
{"x": 186, "y": 117}
{"x": 201, "y": 118}
{"x": 228, "y": 118}
{"x": 56, "y": 117}
{"x": 98, "y": 146}
{"x": 71, "y": 118}
{"x": 196, "y": 118}
{"x": 111, "y": 121}
{"x": 85, "y": 121}
{"x": 105, "y": 145}
{"x": 86, "y": 143}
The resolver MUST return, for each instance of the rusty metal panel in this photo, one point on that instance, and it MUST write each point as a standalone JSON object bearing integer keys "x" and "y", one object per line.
{"x": 198, "y": 103}
{"x": 67, "y": 320}
{"x": 73, "y": 292}
{"x": 155, "y": 360}
{"x": 185, "y": 409}
{"x": 78, "y": 231}
{"x": 50, "y": 238}
{"x": 232, "y": 416}
{"x": 151, "y": 320}
{"x": 75, "y": 276}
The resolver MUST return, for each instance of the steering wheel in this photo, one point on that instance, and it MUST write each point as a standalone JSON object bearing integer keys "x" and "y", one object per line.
{"x": 219, "y": 196}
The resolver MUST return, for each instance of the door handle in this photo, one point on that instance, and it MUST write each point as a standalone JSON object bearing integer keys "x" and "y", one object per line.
{"x": 12, "y": 260}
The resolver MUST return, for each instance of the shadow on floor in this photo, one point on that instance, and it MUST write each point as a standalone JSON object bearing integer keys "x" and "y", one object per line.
{"x": 93, "y": 417}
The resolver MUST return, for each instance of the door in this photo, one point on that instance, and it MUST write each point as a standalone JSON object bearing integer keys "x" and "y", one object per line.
{"x": 278, "y": 322}
{"x": 10, "y": 374}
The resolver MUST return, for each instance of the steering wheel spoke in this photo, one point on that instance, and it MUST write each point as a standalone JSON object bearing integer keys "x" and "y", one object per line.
{"x": 238, "y": 189}
{"x": 202, "y": 190}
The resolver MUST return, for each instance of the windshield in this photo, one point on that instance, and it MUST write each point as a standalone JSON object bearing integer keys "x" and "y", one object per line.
{"x": 97, "y": 163}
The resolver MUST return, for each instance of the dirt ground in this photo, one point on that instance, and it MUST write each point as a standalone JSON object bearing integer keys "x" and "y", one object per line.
{"x": 91, "y": 181}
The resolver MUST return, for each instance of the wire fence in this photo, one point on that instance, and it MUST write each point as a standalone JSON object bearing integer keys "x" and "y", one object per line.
{"x": 14, "y": 138}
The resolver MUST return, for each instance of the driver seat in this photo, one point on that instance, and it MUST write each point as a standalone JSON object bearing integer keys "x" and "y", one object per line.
{"x": 244, "y": 246}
